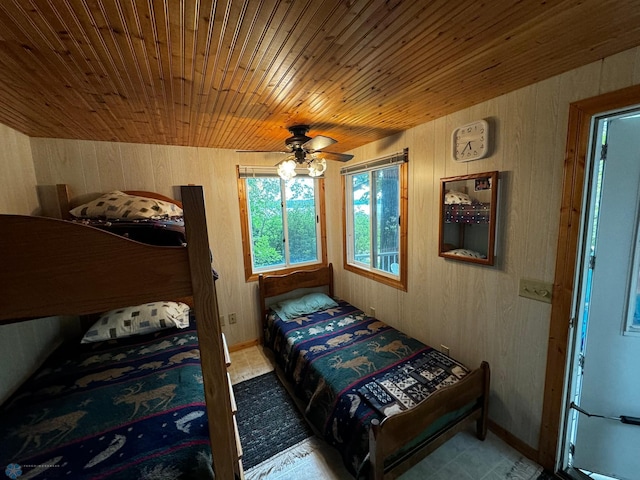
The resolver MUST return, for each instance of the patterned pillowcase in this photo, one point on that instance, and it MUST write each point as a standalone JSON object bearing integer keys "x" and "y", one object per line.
{"x": 137, "y": 320}
{"x": 121, "y": 206}
{"x": 457, "y": 198}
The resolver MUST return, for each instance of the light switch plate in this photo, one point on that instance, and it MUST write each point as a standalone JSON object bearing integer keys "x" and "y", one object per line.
{"x": 536, "y": 290}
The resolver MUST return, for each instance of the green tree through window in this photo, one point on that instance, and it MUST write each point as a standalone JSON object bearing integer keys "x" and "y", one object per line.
{"x": 267, "y": 230}
{"x": 375, "y": 209}
{"x": 374, "y": 232}
{"x": 284, "y": 222}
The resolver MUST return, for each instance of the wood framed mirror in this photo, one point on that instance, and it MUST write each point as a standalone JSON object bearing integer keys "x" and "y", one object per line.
{"x": 468, "y": 206}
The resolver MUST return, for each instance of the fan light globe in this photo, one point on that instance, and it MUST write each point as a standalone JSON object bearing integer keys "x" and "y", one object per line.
{"x": 287, "y": 169}
{"x": 317, "y": 166}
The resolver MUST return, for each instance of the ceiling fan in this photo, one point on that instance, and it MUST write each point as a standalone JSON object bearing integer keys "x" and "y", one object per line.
{"x": 304, "y": 150}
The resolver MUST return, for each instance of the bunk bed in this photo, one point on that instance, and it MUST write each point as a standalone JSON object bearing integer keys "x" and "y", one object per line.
{"x": 56, "y": 267}
{"x": 384, "y": 399}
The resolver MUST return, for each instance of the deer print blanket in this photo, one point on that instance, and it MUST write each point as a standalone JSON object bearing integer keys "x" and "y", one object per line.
{"x": 349, "y": 368}
{"x": 129, "y": 408}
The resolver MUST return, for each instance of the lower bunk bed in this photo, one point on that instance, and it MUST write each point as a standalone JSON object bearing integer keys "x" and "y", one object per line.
{"x": 383, "y": 399}
{"x": 126, "y": 408}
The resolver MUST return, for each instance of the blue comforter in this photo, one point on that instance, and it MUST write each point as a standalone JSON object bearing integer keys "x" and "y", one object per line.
{"x": 130, "y": 408}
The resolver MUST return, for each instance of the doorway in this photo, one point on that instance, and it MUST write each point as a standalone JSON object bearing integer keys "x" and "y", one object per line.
{"x": 581, "y": 115}
{"x": 600, "y": 436}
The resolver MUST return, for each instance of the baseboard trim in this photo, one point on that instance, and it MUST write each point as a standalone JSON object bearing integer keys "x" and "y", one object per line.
{"x": 243, "y": 345}
{"x": 513, "y": 441}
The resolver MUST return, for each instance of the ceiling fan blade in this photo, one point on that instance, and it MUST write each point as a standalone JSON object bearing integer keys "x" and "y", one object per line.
{"x": 340, "y": 157}
{"x": 262, "y": 151}
{"x": 318, "y": 143}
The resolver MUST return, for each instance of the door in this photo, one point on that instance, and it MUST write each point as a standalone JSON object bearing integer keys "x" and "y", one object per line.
{"x": 607, "y": 372}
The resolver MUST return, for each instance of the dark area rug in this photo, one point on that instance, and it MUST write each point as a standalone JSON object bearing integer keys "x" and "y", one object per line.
{"x": 268, "y": 420}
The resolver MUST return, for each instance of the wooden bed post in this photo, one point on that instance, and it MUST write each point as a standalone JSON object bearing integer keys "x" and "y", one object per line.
{"x": 64, "y": 205}
{"x": 482, "y": 422}
{"x": 376, "y": 456}
{"x": 216, "y": 390}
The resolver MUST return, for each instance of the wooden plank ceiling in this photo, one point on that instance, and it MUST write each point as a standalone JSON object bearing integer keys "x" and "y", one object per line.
{"x": 234, "y": 74}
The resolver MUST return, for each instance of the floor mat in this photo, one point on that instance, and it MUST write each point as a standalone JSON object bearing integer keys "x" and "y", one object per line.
{"x": 268, "y": 420}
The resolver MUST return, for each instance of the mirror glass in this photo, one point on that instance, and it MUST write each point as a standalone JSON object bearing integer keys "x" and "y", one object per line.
{"x": 468, "y": 217}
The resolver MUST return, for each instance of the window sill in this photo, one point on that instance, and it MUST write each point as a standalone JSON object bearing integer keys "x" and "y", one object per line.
{"x": 400, "y": 284}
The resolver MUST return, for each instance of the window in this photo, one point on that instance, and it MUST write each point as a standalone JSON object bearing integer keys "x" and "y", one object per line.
{"x": 283, "y": 227}
{"x": 375, "y": 224}
{"x": 633, "y": 307}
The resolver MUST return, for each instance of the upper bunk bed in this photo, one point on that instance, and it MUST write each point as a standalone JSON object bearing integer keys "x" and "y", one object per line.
{"x": 56, "y": 267}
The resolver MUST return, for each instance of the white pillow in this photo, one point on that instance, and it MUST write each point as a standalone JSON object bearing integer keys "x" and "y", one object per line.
{"x": 137, "y": 320}
{"x": 457, "y": 198}
{"x": 465, "y": 252}
{"x": 121, "y": 206}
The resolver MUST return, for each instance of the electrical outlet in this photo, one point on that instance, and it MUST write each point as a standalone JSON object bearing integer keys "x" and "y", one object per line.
{"x": 444, "y": 349}
{"x": 222, "y": 320}
{"x": 372, "y": 311}
{"x": 232, "y": 318}
{"x": 536, "y": 290}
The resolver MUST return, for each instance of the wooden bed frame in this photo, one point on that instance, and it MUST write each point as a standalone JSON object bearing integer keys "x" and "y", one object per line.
{"x": 394, "y": 432}
{"x": 54, "y": 267}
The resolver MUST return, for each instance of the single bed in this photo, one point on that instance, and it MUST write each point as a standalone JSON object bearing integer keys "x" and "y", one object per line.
{"x": 384, "y": 399}
{"x": 102, "y": 410}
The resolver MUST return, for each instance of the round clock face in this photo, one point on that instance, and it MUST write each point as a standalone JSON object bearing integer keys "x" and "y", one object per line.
{"x": 471, "y": 141}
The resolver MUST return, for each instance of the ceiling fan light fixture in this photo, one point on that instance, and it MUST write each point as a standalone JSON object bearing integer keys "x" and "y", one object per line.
{"x": 317, "y": 166}
{"x": 287, "y": 169}
{"x": 304, "y": 151}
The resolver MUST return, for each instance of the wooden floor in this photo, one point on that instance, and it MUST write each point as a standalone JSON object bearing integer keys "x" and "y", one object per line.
{"x": 463, "y": 457}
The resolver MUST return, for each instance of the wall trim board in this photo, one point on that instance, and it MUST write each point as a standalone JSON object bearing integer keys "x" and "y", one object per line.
{"x": 513, "y": 441}
{"x": 243, "y": 345}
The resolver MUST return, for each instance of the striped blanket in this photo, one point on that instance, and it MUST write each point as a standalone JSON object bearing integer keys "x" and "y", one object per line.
{"x": 349, "y": 368}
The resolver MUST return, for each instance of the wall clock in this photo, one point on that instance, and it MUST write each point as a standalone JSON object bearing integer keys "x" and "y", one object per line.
{"x": 470, "y": 142}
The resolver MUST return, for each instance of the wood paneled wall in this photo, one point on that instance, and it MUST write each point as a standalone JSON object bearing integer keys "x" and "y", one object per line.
{"x": 23, "y": 346}
{"x": 474, "y": 310}
{"x": 90, "y": 168}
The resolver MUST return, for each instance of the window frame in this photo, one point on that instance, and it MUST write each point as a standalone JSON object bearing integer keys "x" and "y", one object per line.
{"x": 250, "y": 275}
{"x": 397, "y": 281}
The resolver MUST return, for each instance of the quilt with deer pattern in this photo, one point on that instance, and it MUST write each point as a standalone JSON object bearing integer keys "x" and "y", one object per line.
{"x": 349, "y": 368}
{"x": 127, "y": 408}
